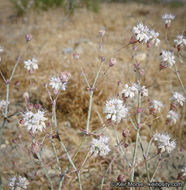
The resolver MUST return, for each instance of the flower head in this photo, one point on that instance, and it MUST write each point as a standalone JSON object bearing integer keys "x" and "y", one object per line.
{"x": 115, "y": 110}
{"x": 59, "y": 83}
{"x": 100, "y": 146}
{"x": 65, "y": 76}
{"x": 129, "y": 92}
{"x": 112, "y": 62}
{"x": 143, "y": 34}
{"x": 19, "y": 183}
{"x": 164, "y": 143}
{"x": 34, "y": 121}
{"x": 155, "y": 106}
{"x": 172, "y": 117}
{"x": 143, "y": 90}
{"x": 178, "y": 98}
{"x": 179, "y": 42}
{"x": 167, "y": 18}
{"x": 167, "y": 58}
{"x": 31, "y": 65}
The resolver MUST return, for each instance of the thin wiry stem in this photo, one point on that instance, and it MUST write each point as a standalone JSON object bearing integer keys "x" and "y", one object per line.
{"x": 179, "y": 79}
{"x": 103, "y": 178}
{"x": 138, "y": 124}
{"x": 63, "y": 146}
{"x": 7, "y": 82}
{"x": 120, "y": 147}
{"x": 45, "y": 172}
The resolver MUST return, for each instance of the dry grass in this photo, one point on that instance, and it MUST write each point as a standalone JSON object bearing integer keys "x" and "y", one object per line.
{"x": 52, "y": 32}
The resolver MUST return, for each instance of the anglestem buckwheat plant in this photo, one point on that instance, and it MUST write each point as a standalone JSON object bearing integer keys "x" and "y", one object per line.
{"x": 130, "y": 104}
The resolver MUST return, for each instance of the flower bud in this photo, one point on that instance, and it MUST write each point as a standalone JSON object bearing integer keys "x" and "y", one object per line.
{"x": 133, "y": 40}
{"x": 76, "y": 56}
{"x": 17, "y": 83}
{"x": 65, "y": 76}
{"x": 112, "y": 62}
{"x": 102, "y": 32}
{"x": 35, "y": 147}
{"x": 121, "y": 178}
{"x": 28, "y": 37}
{"x": 126, "y": 133}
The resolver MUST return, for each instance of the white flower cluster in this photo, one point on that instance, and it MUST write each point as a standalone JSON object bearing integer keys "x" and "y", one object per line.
{"x": 57, "y": 84}
{"x": 3, "y": 104}
{"x": 144, "y": 35}
{"x": 31, "y": 65}
{"x": 115, "y": 110}
{"x": 19, "y": 183}
{"x": 155, "y": 106}
{"x": 183, "y": 171}
{"x": 142, "y": 89}
{"x": 60, "y": 83}
{"x": 167, "y": 58}
{"x": 130, "y": 92}
{"x": 164, "y": 143}
{"x": 180, "y": 41}
{"x": 178, "y": 98}
{"x": 34, "y": 121}
{"x": 100, "y": 146}
{"x": 167, "y": 18}
{"x": 172, "y": 117}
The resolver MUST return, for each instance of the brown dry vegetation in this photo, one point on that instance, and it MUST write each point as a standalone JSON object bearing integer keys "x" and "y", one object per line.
{"x": 53, "y": 31}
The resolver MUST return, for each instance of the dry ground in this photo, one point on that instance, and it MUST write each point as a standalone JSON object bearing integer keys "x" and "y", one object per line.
{"x": 53, "y": 32}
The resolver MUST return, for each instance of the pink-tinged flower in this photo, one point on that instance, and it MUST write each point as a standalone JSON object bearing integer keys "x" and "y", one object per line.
{"x": 172, "y": 117}
{"x": 129, "y": 92}
{"x": 164, "y": 142}
{"x": 155, "y": 106}
{"x": 18, "y": 183}
{"x": 142, "y": 34}
{"x": 112, "y": 62}
{"x": 178, "y": 98}
{"x": 34, "y": 121}
{"x": 126, "y": 133}
{"x": 31, "y": 65}
{"x": 167, "y": 18}
{"x": 102, "y": 32}
{"x": 28, "y": 37}
{"x": 35, "y": 147}
{"x": 57, "y": 84}
{"x": 143, "y": 90}
{"x": 65, "y": 76}
{"x": 100, "y": 146}
{"x": 179, "y": 42}
{"x": 76, "y": 56}
{"x": 115, "y": 110}
{"x": 167, "y": 59}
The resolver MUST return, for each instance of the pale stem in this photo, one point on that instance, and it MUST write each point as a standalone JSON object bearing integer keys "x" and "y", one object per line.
{"x": 103, "y": 178}
{"x": 138, "y": 124}
{"x": 120, "y": 147}
{"x": 45, "y": 171}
